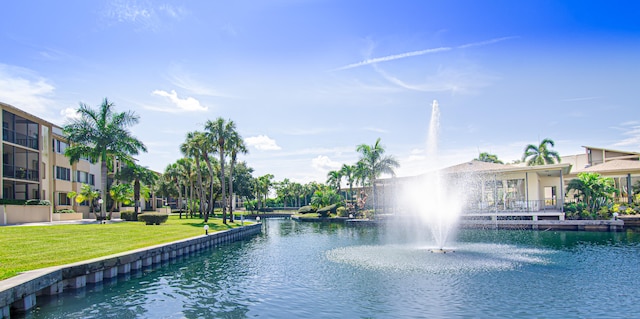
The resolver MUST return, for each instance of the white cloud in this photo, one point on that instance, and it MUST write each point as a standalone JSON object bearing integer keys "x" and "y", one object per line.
{"x": 189, "y": 104}
{"x": 262, "y": 142}
{"x": 143, "y": 14}
{"x": 633, "y": 139}
{"x": 25, "y": 89}
{"x": 325, "y": 164}
{"x": 70, "y": 114}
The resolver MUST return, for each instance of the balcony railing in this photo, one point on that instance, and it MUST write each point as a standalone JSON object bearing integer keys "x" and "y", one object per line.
{"x": 514, "y": 206}
{"x": 19, "y": 138}
{"x": 20, "y": 173}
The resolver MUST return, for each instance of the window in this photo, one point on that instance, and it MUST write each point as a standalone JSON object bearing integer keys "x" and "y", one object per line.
{"x": 63, "y": 199}
{"x": 92, "y": 180}
{"x": 63, "y": 173}
{"x": 59, "y": 146}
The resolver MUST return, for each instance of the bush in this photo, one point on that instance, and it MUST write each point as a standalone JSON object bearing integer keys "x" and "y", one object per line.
{"x": 153, "y": 218}
{"x": 325, "y": 211}
{"x": 342, "y": 212}
{"x": 4, "y": 201}
{"x": 65, "y": 211}
{"x": 306, "y": 210}
{"x": 129, "y": 216}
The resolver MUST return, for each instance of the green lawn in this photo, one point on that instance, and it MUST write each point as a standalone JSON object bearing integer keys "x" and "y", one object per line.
{"x": 25, "y": 248}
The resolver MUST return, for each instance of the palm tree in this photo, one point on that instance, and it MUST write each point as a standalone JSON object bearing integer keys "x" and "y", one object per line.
{"x": 102, "y": 135}
{"x": 541, "y": 154}
{"x": 165, "y": 187}
{"x": 137, "y": 174}
{"x": 192, "y": 147}
{"x": 376, "y": 164}
{"x": 220, "y": 132}
{"x": 120, "y": 193}
{"x": 334, "y": 178}
{"x": 235, "y": 145}
{"x": 172, "y": 173}
{"x": 186, "y": 172}
{"x": 489, "y": 158}
{"x": 349, "y": 172}
{"x": 595, "y": 190}
{"x": 86, "y": 194}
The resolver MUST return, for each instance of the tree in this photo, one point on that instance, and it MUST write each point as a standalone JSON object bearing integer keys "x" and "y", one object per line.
{"x": 375, "y": 163}
{"x": 489, "y": 158}
{"x": 165, "y": 188}
{"x": 235, "y": 146}
{"x": 120, "y": 193}
{"x": 593, "y": 189}
{"x": 541, "y": 154}
{"x": 86, "y": 194}
{"x": 349, "y": 172}
{"x": 220, "y": 132}
{"x": 102, "y": 135}
{"x": 334, "y": 178}
{"x": 192, "y": 147}
{"x": 325, "y": 196}
{"x": 136, "y": 174}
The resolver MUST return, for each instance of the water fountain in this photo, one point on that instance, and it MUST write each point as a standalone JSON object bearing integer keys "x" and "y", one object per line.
{"x": 431, "y": 201}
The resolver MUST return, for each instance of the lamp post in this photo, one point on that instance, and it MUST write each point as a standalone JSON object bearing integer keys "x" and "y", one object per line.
{"x": 206, "y": 229}
{"x": 100, "y": 201}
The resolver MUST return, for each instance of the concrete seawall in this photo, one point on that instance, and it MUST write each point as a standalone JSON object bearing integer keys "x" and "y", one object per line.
{"x": 19, "y": 293}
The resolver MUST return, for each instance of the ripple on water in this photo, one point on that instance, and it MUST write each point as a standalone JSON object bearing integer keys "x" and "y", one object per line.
{"x": 465, "y": 258}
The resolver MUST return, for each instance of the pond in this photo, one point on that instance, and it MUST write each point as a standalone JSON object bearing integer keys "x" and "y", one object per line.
{"x": 316, "y": 270}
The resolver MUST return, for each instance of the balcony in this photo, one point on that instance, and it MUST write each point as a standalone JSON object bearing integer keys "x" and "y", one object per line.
{"x": 20, "y": 173}
{"x": 20, "y": 139}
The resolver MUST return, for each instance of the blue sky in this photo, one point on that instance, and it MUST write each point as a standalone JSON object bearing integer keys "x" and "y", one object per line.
{"x": 307, "y": 81}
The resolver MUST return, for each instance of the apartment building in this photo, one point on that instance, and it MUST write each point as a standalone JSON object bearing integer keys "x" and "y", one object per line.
{"x": 34, "y": 165}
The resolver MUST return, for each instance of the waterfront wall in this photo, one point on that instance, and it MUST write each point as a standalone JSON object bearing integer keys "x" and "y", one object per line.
{"x": 19, "y": 293}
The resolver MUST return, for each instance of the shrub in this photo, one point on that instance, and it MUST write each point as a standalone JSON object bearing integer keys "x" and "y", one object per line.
{"x": 129, "y": 216}
{"x": 153, "y": 218}
{"x": 4, "y": 201}
{"x": 342, "y": 212}
{"x": 306, "y": 210}
{"x": 325, "y": 211}
{"x": 65, "y": 211}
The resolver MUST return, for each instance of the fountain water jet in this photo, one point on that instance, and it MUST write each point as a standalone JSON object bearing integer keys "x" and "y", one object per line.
{"x": 432, "y": 201}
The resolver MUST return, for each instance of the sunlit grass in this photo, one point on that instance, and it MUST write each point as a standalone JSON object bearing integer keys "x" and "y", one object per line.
{"x": 25, "y": 248}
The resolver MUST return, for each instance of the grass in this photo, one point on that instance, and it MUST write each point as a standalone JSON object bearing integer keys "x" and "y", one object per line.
{"x": 24, "y": 248}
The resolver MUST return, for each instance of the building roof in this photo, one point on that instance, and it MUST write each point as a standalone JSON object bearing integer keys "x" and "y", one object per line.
{"x": 613, "y": 166}
{"x": 486, "y": 167}
{"x": 610, "y": 150}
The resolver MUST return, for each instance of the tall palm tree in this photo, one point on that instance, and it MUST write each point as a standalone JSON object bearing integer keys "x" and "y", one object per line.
{"x": 372, "y": 156}
{"x": 102, "y": 135}
{"x": 349, "y": 172}
{"x": 540, "y": 154}
{"x": 334, "y": 178}
{"x": 235, "y": 146}
{"x": 187, "y": 173}
{"x": 137, "y": 174}
{"x": 192, "y": 147}
{"x": 220, "y": 132}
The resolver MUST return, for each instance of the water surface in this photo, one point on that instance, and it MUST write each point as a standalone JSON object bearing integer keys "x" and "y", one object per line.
{"x": 312, "y": 270}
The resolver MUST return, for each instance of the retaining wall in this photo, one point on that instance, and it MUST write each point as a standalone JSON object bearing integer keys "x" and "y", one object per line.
{"x": 19, "y": 293}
